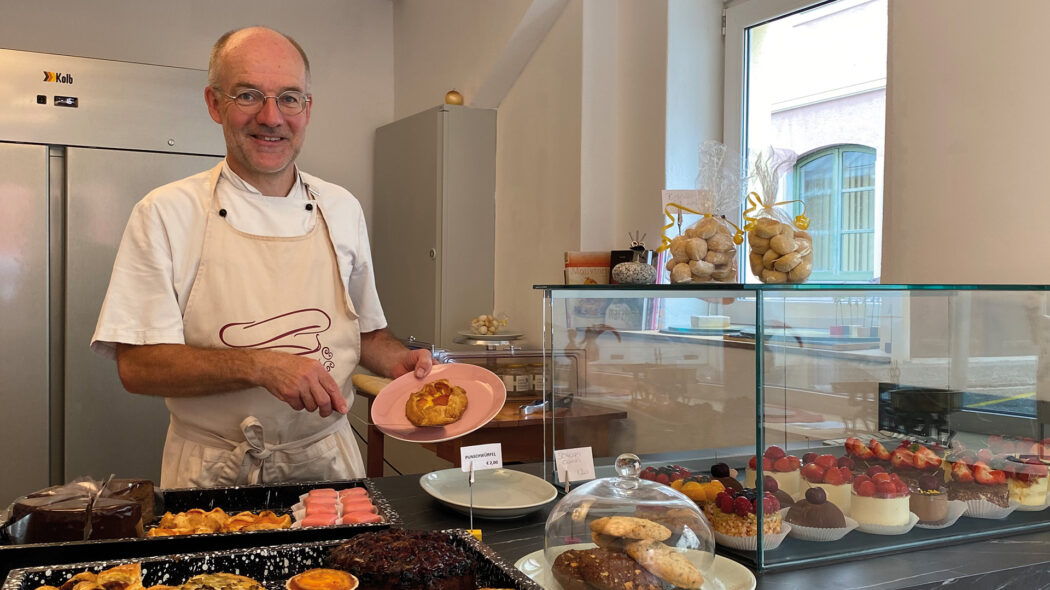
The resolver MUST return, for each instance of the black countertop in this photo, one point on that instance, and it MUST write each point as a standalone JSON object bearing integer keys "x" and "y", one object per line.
{"x": 1020, "y": 561}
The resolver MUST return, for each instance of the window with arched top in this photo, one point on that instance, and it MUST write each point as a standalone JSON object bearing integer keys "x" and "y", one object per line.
{"x": 837, "y": 185}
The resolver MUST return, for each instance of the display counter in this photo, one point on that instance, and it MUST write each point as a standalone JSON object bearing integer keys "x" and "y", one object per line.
{"x": 1018, "y": 562}
{"x": 918, "y": 410}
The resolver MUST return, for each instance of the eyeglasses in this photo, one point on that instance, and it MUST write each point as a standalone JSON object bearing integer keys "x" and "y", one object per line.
{"x": 251, "y": 101}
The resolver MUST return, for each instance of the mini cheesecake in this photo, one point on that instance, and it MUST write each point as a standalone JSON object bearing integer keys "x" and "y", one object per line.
{"x": 1026, "y": 481}
{"x": 880, "y": 500}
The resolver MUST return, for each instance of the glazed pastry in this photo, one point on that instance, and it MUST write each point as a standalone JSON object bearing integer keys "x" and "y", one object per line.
{"x": 437, "y": 404}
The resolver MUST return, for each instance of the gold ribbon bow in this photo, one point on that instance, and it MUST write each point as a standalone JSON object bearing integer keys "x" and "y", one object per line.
{"x": 801, "y": 221}
{"x": 665, "y": 242}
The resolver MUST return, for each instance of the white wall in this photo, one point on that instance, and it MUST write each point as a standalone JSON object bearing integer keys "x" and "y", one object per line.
{"x": 966, "y": 129}
{"x": 350, "y": 45}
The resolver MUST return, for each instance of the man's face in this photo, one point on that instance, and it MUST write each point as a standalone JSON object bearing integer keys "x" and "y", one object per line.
{"x": 260, "y": 147}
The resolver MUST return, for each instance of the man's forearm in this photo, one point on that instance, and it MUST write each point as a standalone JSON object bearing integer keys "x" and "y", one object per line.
{"x": 380, "y": 351}
{"x": 178, "y": 370}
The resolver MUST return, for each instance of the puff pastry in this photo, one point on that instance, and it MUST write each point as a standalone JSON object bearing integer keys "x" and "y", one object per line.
{"x": 437, "y": 404}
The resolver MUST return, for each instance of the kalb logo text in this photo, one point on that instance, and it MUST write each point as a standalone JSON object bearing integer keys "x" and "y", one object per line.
{"x": 58, "y": 77}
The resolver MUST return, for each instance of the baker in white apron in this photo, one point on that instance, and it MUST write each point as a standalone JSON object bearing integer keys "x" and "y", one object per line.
{"x": 276, "y": 293}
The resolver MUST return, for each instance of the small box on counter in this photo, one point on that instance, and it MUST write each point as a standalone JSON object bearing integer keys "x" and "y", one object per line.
{"x": 587, "y": 268}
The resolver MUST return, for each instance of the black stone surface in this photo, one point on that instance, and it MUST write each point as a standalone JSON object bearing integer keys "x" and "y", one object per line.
{"x": 272, "y": 566}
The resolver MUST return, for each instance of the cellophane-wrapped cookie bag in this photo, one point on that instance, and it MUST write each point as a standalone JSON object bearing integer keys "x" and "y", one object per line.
{"x": 781, "y": 250}
{"x": 707, "y": 250}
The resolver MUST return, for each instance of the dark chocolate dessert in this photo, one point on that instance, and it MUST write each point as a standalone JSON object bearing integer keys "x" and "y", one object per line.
{"x": 396, "y": 559}
{"x": 56, "y": 518}
{"x": 770, "y": 484}
{"x": 720, "y": 472}
{"x": 815, "y": 511}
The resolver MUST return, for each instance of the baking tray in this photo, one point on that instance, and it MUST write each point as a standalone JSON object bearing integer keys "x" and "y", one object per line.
{"x": 278, "y": 498}
{"x": 271, "y": 566}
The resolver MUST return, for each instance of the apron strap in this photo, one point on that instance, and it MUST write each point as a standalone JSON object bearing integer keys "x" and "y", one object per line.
{"x": 244, "y": 460}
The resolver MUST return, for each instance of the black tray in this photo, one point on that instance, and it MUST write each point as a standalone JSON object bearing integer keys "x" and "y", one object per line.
{"x": 271, "y": 566}
{"x": 255, "y": 498}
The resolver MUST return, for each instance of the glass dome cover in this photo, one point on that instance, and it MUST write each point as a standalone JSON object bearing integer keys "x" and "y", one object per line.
{"x": 627, "y": 515}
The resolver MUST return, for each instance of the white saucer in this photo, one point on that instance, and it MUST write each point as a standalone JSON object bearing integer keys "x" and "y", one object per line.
{"x": 725, "y": 574}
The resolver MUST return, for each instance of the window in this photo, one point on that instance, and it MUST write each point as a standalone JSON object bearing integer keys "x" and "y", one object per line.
{"x": 810, "y": 77}
{"x": 837, "y": 185}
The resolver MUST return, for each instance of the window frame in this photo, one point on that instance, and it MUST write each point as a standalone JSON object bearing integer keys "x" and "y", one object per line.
{"x": 836, "y": 276}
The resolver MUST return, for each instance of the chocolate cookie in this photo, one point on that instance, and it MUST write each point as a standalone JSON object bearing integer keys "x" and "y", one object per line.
{"x": 606, "y": 570}
{"x": 566, "y": 570}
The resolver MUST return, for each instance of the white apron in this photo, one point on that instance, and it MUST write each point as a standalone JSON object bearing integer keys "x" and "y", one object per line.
{"x": 272, "y": 293}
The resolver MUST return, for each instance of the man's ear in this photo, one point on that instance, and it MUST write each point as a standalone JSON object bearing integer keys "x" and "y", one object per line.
{"x": 212, "y": 99}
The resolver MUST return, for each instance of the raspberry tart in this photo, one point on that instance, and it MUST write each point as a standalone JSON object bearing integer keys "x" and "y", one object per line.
{"x": 735, "y": 513}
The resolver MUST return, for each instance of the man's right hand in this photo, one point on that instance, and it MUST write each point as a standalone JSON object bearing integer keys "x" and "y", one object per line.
{"x": 302, "y": 383}
{"x": 178, "y": 370}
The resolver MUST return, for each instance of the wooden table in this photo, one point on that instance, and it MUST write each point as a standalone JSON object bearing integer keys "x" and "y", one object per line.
{"x": 521, "y": 437}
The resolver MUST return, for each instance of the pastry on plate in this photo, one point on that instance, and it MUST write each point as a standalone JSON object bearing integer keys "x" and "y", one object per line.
{"x": 438, "y": 403}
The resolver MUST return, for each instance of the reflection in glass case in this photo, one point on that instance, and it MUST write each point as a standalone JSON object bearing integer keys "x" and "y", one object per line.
{"x": 880, "y": 416}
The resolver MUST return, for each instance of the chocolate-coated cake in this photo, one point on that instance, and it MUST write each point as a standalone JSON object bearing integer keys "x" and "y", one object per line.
{"x": 137, "y": 490}
{"x": 815, "y": 511}
{"x": 396, "y": 559}
{"x": 56, "y": 518}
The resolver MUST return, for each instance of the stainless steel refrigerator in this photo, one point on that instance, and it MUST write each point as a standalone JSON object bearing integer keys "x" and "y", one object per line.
{"x": 81, "y": 141}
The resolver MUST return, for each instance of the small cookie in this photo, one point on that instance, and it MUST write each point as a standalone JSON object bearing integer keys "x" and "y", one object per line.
{"x": 665, "y": 563}
{"x": 631, "y": 527}
{"x": 566, "y": 570}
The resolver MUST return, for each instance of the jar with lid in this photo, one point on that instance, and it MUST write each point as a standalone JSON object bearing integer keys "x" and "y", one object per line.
{"x": 522, "y": 379}
{"x": 536, "y": 371}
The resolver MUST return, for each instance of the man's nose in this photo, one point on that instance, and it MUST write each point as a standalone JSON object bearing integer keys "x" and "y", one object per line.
{"x": 269, "y": 114}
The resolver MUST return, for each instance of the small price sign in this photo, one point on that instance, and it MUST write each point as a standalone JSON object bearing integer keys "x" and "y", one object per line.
{"x": 482, "y": 457}
{"x": 574, "y": 464}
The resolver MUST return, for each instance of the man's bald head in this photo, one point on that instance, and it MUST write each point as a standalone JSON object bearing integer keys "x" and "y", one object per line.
{"x": 215, "y": 62}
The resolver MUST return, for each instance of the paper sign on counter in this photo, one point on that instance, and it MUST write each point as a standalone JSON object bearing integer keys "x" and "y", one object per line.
{"x": 579, "y": 463}
{"x": 482, "y": 457}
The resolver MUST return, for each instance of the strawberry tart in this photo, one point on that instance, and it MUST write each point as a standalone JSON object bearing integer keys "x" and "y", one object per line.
{"x": 866, "y": 455}
{"x": 911, "y": 461}
{"x": 972, "y": 478}
{"x": 881, "y": 499}
{"x": 783, "y": 467}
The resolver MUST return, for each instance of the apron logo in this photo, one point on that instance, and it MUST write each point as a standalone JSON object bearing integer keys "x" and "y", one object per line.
{"x": 296, "y": 332}
{"x": 58, "y": 77}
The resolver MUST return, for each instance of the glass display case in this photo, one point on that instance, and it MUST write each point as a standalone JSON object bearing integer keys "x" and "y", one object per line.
{"x": 918, "y": 410}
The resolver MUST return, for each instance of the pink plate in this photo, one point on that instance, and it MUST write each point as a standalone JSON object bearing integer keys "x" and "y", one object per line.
{"x": 485, "y": 397}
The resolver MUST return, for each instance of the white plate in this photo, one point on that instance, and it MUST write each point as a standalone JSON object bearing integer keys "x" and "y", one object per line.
{"x": 498, "y": 493}
{"x": 498, "y": 336}
{"x": 881, "y": 529}
{"x": 955, "y": 510}
{"x": 486, "y": 395}
{"x": 726, "y": 574}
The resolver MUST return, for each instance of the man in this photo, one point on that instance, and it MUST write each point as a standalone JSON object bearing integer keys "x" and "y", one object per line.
{"x": 245, "y": 296}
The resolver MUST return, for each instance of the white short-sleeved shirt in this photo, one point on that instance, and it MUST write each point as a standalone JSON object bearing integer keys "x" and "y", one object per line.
{"x": 161, "y": 250}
